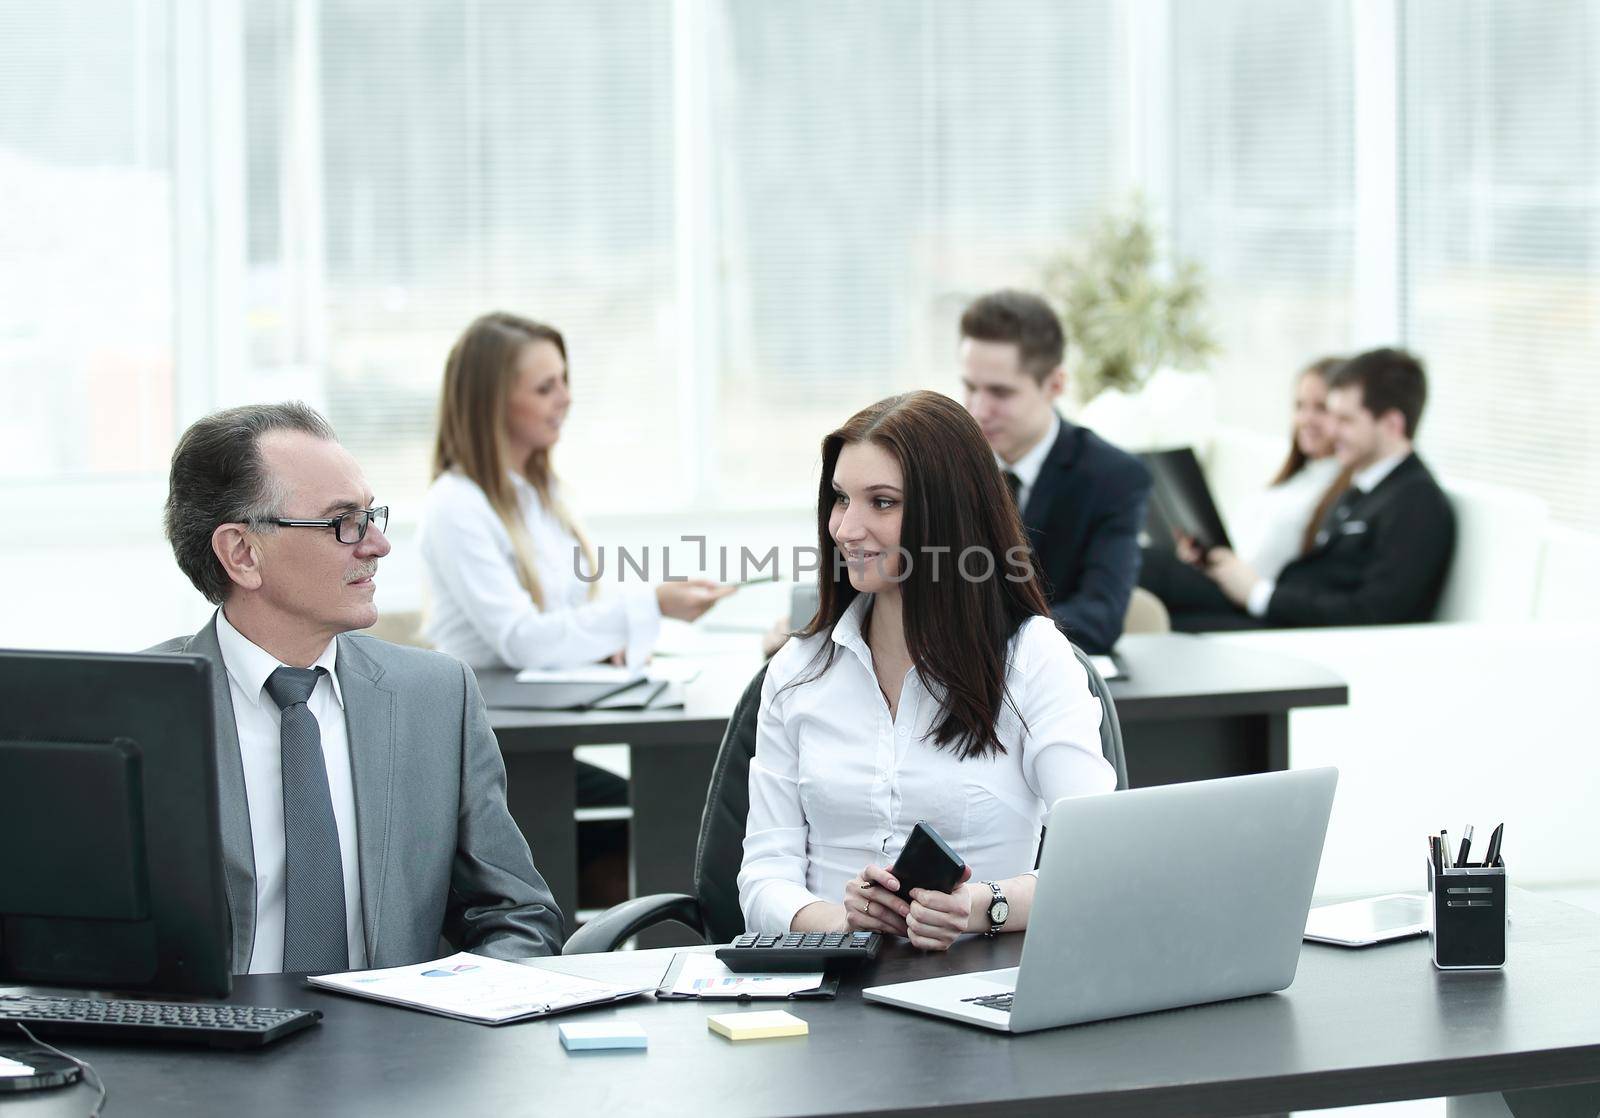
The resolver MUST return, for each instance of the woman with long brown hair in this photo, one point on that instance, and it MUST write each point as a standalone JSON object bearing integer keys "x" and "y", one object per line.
{"x": 931, "y": 685}
{"x": 511, "y": 578}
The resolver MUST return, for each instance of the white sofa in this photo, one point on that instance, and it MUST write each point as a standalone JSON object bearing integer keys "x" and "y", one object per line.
{"x": 1482, "y": 716}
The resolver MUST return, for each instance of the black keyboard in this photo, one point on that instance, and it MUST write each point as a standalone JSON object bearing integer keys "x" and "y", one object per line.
{"x": 1001, "y": 1002}
{"x": 220, "y": 1026}
{"x": 798, "y": 951}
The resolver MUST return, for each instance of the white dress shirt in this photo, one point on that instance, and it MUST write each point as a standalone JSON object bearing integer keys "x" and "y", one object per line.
{"x": 258, "y": 722}
{"x": 1368, "y": 479}
{"x": 479, "y": 612}
{"x": 1028, "y": 466}
{"x": 836, "y": 783}
{"x": 1274, "y": 522}
{"x": 1364, "y": 482}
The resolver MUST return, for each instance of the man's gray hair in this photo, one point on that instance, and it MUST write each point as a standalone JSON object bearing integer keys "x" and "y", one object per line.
{"x": 218, "y": 478}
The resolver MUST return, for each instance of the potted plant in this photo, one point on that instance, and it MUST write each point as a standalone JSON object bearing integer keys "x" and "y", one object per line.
{"x": 1133, "y": 326}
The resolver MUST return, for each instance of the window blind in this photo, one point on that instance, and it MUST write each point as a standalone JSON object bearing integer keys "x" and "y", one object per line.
{"x": 877, "y": 167}
{"x": 1501, "y": 247}
{"x": 86, "y": 227}
{"x": 1263, "y": 170}
{"x": 464, "y": 156}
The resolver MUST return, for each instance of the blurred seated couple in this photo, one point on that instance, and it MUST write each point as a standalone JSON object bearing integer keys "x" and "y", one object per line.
{"x": 1354, "y": 530}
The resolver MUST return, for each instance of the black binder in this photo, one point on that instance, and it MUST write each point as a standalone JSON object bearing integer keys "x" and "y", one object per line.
{"x": 1181, "y": 500}
{"x": 507, "y": 693}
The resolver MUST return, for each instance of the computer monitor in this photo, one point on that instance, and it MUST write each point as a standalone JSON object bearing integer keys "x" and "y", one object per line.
{"x": 110, "y": 861}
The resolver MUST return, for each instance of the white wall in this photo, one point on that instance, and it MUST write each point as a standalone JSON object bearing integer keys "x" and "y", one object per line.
{"x": 1450, "y": 724}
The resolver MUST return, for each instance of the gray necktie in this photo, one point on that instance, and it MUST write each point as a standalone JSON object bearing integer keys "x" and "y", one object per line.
{"x": 314, "y": 936}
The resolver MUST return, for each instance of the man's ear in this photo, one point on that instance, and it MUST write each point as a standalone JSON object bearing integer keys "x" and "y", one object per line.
{"x": 1393, "y": 423}
{"x": 1055, "y": 383}
{"x": 235, "y": 548}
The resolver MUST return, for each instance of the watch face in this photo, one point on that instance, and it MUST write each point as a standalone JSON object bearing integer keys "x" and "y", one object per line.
{"x": 998, "y": 912}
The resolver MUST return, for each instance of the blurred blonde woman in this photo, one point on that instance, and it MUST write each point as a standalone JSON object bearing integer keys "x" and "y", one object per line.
{"x": 503, "y": 553}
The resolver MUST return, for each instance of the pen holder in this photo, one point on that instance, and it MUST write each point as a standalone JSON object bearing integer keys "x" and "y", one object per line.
{"x": 1467, "y": 916}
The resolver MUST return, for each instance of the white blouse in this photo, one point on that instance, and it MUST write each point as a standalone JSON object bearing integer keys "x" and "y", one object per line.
{"x": 479, "y": 612}
{"x": 836, "y": 783}
{"x": 1275, "y": 520}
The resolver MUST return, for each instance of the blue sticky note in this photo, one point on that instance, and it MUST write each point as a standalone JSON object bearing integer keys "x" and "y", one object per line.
{"x": 589, "y": 1036}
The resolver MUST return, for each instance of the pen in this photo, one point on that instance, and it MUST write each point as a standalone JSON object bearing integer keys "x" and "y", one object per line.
{"x": 756, "y": 581}
{"x": 1444, "y": 848}
{"x": 1492, "y": 854}
{"x": 1466, "y": 845}
{"x": 1433, "y": 854}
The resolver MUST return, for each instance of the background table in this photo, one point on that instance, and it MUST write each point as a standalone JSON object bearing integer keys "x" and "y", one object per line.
{"x": 1355, "y": 1027}
{"x": 1191, "y": 709}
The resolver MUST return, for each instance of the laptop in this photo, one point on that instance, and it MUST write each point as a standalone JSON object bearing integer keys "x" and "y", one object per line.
{"x": 1152, "y": 899}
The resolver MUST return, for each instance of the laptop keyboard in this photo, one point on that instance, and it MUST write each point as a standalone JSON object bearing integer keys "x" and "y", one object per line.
{"x": 1001, "y": 1002}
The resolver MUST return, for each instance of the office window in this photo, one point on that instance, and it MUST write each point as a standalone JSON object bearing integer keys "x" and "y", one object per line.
{"x": 876, "y": 166}
{"x": 1501, "y": 212}
{"x": 86, "y": 232}
{"x": 1263, "y": 187}
{"x": 411, "y": 166}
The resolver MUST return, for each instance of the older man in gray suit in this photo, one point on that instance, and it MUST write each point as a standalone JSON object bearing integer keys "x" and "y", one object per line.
{"x": 362, "y": 793}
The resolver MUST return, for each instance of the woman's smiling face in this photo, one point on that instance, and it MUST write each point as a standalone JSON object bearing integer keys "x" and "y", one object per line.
{"x": 868, "y": 504}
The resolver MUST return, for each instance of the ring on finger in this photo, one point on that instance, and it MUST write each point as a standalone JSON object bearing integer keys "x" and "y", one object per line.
{"x": 866, "y": 907}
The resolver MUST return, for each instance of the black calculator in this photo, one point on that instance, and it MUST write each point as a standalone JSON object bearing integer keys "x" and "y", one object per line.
{"x": 798, "y": 951}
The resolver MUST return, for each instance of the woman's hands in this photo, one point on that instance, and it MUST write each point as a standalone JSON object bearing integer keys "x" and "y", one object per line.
{"x": 932, "y": 920}
{"x": 687, "y": 600}
{"x": 1187, "y": 550}
{"x": 936, "y": 919}
{"x": 871, "y": 906}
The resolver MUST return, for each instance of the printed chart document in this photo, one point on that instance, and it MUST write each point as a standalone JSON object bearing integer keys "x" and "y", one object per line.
{"x": 476, "y": 988}
{"x": 705, "y": 976}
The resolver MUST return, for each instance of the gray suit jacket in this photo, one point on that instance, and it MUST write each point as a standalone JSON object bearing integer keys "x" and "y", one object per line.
{"x": 439, "y": 852}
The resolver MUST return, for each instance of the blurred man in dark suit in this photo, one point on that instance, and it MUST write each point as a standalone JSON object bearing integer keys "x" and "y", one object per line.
{"x": 1082, "y": 500}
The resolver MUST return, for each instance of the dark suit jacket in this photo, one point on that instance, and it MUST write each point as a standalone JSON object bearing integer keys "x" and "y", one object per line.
{"x": 1384, "y": 564}
{"x": 439, "y": 852}
{"x": 1084, "y": 514}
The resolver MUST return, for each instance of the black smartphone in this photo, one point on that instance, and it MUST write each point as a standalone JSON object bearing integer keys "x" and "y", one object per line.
{"x": 926, "y": 862}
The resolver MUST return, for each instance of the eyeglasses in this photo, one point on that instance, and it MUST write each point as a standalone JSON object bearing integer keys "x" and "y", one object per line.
{"x": 348, "y": 527}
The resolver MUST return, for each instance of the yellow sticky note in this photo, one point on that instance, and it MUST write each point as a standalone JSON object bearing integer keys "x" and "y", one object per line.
{"x": 756, "y": 1026}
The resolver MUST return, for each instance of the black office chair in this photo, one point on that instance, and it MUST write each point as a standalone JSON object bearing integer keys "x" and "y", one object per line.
{"x": 713, "y": 912}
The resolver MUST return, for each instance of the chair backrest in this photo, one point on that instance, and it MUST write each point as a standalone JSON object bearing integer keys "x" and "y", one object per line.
{"x": 400, "y": 628}
{"x": 720, "y": 850}
{"x": 1146, "y": 613}
{"x": 1110, "y": 727}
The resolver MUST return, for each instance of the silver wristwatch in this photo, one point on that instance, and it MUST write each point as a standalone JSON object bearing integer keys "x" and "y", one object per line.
{"x": 999, "y": 910}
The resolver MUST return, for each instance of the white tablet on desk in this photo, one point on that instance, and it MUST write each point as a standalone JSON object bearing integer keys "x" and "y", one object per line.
{"x": 1368, "y": 921}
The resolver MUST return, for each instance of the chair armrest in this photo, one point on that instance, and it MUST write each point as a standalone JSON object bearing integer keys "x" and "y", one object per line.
{"x": 617, "y": 924}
